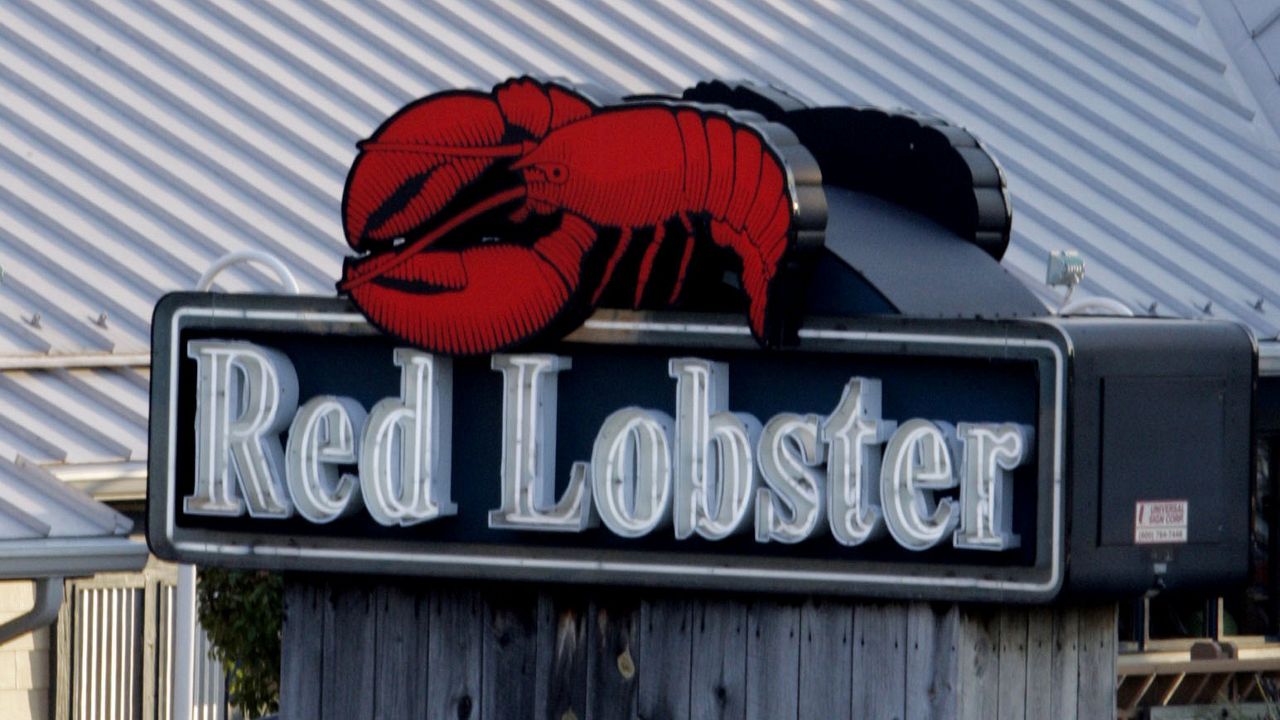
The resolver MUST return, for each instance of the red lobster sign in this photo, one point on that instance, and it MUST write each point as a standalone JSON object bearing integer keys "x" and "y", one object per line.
{"x": 490, "y": 219}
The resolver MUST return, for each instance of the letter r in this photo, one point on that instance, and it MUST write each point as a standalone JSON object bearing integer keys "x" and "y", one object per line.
{"x": 245, "y": 396}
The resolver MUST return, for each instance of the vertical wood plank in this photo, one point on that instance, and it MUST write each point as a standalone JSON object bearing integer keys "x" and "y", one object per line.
{"x": 1012, "y": 663}
{"x": 1063, "y": 691}
{"x": 826, "y": 654}
{"x": 510, "y": 654}
{"x": 611, "y": 665}
{"x": 1040, "y": 676}
{"x": 718, "y": 680}
{"x": 401, "y": 654}
{"x": 1097, "y": 662}
{"x": 932, "y": 650}
{"x": 880, "y": 661}
{"x": 351, "y": 653}
{"x": 663, "y": 658}
{"x": 349, "y": 640}
{"x": 149, "y": 632}
{"x": 453, "y": 664}
{"x": 301, "y": 650}
{"x": 62, "y": 670}
{"x": 979, "y": 673}
{"x": 561, "y": 691}
{"x": 773, "y": 660}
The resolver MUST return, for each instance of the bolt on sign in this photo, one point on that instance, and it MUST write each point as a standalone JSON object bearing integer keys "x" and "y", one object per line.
{"x": 455, "y": 416}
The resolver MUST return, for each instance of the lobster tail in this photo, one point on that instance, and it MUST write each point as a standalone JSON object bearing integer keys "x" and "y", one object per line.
{"x": 761, "y": 213}
{"x": 761, "y": 253}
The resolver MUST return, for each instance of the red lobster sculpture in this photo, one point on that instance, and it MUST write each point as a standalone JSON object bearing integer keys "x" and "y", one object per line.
{"x": 413, "y": 190}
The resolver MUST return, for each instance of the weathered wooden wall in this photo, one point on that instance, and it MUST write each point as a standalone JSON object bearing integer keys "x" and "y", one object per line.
{"x": 355, "y": 650}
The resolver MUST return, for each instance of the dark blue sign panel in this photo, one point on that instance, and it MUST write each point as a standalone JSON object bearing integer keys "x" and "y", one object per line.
{"x": 882, "y": 457}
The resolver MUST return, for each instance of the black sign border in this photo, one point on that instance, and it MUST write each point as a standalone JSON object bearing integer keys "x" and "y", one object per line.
{"x": 1040, "y": 342}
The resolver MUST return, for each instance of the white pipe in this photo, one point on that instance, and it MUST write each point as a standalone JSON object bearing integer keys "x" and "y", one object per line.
{"x": 184, "y": 643}
{"x": 97, "y": 472}
{"x": 287, "y": 281}
{"x": 48, "y": 601}
{"x": 1107, "y": 306}
{"x": 105, "y": 482}
{"x": 75, "y": 361}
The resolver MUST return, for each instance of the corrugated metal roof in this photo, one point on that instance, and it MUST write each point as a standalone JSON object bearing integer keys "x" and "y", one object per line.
{"x": 49, "y": 529}
{"x": 1250, "y": 32}
{"x": 74, "y": 415}
{"x": 139, "y": 141}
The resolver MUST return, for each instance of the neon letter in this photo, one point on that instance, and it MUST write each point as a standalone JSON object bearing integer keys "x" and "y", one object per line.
{"x": 245, "y": 395}
{"x": 631, "y": 471}
{"x": 715, "y": 473}
{"x": 853, "y": 431}
{"x": 324, "y": 435}
{"x": 991, "y": 452}
{"x": 529, "y": 451}
{"x": 917, "y": 461}
{"x": 790, "y": 453}
{"x": 412, "y": 485}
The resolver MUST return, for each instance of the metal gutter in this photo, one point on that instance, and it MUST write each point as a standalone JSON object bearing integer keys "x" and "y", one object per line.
{"x": 70, "y": 556}
{"x": 75, "y": 361}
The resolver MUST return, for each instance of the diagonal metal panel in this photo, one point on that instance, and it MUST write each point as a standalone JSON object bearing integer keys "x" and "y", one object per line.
{"x": 74, "y": 416}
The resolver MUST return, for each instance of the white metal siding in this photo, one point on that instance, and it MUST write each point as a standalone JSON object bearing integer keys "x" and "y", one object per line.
{"x": 108, "y": 643}
{"x": 108, "y": 672}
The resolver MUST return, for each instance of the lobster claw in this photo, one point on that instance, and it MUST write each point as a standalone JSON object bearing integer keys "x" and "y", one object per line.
{"x": 417, "y": 162}
{"x": 425, "y": 154}
{"x": 478, "y": 299}
{"x": 414, "y": 184}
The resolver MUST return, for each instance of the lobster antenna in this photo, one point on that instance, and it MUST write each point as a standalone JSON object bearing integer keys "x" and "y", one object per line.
{"x": 378, "y": 266}
{"x": 508, "y": 150}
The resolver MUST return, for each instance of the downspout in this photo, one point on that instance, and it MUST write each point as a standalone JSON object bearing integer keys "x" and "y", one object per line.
{"x": 48, "y": 592}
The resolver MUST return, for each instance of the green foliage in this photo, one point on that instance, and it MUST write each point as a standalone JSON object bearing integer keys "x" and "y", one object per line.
{"x": 241, "y": 612}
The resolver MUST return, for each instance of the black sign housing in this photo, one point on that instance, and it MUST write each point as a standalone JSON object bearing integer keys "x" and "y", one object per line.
{"x": 955, "y": 372}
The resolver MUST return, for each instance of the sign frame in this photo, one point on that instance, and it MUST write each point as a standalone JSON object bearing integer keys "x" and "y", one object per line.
{"x": 1038, "y": 342}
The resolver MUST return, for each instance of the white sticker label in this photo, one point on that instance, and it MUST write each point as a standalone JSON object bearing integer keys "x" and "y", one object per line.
{"x": 1160, "y": 521}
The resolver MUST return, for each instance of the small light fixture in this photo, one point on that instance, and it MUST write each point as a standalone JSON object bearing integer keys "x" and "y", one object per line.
{"x": 1066, "y": 269}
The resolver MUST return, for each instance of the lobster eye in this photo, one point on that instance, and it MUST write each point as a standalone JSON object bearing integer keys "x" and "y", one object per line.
{"x": 556, "y": 173}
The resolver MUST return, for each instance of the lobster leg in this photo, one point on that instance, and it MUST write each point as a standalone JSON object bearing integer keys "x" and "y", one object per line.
{"x": 685, "y": 257}
{"x": 624, "y": 241}
{"x": 646, "y": 263}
